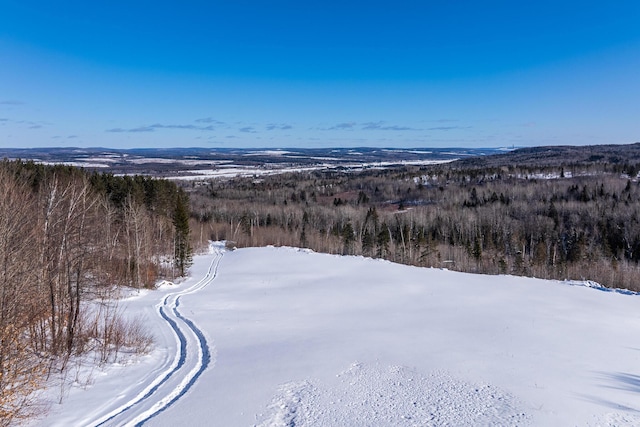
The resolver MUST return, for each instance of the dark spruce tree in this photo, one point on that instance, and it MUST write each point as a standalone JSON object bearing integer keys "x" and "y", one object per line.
{"x": 182, "y": 255}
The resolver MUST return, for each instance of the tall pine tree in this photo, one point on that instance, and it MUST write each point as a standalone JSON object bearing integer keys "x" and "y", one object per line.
{"x": 182, "y": 256}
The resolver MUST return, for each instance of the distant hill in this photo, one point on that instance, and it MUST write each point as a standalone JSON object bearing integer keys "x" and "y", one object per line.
{"x": 210, "y": 162}
{"x": 559, "y": 155}
{"x": 168, "y": 161}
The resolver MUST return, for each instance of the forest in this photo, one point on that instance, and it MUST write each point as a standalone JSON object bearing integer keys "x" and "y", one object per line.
{"x": 70, "y": 240}
{"x": 550, "y": 215}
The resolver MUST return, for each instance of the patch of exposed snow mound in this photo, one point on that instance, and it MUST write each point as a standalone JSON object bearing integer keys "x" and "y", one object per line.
{"x": 616, "y": 419}
{"x": 366, "y": 395}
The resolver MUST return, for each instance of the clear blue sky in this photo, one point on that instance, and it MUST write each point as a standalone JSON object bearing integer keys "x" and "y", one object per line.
{"x": 238, "y": 73}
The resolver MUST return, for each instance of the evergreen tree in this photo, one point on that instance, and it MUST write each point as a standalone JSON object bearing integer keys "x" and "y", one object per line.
{"x": 348, "y": 238}
{"x": 182, "y": 257}
{"x": 382, "y": 240}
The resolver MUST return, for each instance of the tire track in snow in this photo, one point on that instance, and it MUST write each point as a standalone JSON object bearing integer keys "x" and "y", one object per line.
{"x": 165, "y": 398}
{"x": 204, "y": 357}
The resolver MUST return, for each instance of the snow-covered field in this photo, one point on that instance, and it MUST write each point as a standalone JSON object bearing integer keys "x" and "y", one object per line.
{"x": 287, "y": 337}
{"x": 232, "y": 171}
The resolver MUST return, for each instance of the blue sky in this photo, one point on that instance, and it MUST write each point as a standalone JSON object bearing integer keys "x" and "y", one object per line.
{"x": 128, "y": 74}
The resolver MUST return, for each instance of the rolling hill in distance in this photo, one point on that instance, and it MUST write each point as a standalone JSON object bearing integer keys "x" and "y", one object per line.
{"x": 229, "y": 162}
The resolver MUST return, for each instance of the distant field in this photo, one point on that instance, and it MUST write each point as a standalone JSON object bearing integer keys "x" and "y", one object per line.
{"x": 196, "y": 163}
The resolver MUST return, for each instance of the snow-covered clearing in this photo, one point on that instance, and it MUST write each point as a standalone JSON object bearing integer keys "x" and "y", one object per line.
{"x": 284, "y": 337}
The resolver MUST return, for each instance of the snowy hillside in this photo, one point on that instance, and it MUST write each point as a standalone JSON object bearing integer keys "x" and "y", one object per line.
{"x": 283, "y": 337}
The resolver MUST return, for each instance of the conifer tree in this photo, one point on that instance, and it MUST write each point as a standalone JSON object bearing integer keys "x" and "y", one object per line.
{"x": 182, "y": 257}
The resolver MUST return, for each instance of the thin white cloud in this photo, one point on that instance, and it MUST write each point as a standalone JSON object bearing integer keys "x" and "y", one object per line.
{"x": 187, "y": 127}
{"x": 282, "y": 126}
{"x": 30, "y": 124}
{"x": 344, "y": 126}
{"x": 153, "y": 127}
{"x": 447, "y": 128}
{"x": 209, "y": 120}
{"x": 380, "y": 125}
{"x": 134, "y": 130}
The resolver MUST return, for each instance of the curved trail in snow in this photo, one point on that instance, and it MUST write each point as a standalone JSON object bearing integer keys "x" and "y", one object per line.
{"x": 178, "y": 374}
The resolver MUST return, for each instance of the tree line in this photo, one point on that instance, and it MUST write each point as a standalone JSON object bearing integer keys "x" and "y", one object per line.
{"x": 68, "y": 240}
{"x": 570, "y": 221}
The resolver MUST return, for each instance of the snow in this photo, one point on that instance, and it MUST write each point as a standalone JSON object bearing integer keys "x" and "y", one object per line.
{"x": 269, "y": 153}
{"x": 187, "y": 162}
{"x": 81, "y": 164}
{"x": 394, "y": 396}
{"x": 282, "y": 336}
{"x": 232, "y": 171}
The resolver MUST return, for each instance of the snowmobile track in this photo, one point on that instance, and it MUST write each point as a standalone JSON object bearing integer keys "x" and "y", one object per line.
{"x": 191, "y": 359}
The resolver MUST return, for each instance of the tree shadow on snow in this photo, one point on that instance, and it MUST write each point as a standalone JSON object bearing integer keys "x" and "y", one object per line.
{"x": 617, "y": 381}
{"x": 623, "y": 381}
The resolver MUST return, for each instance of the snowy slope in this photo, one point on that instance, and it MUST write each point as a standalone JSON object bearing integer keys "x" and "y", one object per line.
{"x": 306, "y": 339}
